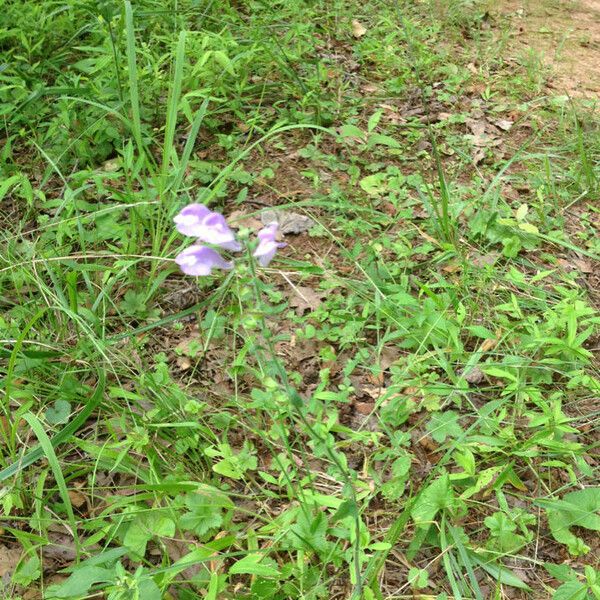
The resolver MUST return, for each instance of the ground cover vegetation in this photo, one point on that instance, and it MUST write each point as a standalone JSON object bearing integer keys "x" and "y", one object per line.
{"x": 403, "y": 403}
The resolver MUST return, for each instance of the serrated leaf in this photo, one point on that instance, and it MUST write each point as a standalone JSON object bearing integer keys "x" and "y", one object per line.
{"x": 572, "y": 590}
{"x": 352, "y": 131}
{"x": 443, "y": 425}
{"x": 374, "y": 185}
{"x": 436, "y": 496}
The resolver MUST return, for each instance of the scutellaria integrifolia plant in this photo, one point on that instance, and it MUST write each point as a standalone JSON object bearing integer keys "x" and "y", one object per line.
{"x": 208, "y": 227}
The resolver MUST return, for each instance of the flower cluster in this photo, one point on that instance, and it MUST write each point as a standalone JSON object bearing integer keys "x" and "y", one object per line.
{"x": 196, "y": 220}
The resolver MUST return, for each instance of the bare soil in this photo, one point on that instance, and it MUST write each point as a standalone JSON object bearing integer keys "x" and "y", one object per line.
{"x": 565, "y": 34}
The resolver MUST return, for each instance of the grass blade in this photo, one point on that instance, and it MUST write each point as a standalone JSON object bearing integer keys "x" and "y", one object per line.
{"x": 133, "y": 79}
{"x": 62, "y": 436}
{"x": 48, "y": 450}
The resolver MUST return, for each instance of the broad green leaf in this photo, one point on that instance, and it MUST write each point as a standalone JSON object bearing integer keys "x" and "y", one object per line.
{"x": 255, "y": 564}
{"x": 374, "y": 120}
{"x": 443, "y": 425}
{"x": 352, "y": 131}
{"x": 378, "y": 139}
{"x": 435, "y": 497}
{"x": 572, "y": 590}
{"x": 374, "y": 185}
{"x": 58, "y": 413}
{"x": 79, "y": 583}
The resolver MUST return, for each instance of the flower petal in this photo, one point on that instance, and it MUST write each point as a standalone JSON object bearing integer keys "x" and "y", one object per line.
{"x": 200, "y": 260}
{"x": 267, "y": 245}
{"x": 216, "y": 231}
{"x": 189, "y": 220}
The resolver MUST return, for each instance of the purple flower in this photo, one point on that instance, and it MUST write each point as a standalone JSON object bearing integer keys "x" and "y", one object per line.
{"x": 196, "y": 220}
{"x": 200, "y": 260}
{"x": 267, "y": 245}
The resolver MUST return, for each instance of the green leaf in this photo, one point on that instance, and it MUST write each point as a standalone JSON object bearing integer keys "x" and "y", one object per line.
{"x": 435, "y": 497}
{"x": 79, "y": 583}
{"x": 443, "y": 425}
{"x": 310, "y": 530}
{"x": 529, "y": 228}
{"x": 143, "y": 528}
{"x": 148, "y": 590}
{"x": 224, "y": 61}
{"x": 418, "y": 578}
{"x": 378, "y": 139}
{"x": 27, "y": 571}
{"x": 352, "y": 131}
{"x": 572, "y": 590}
{"x": 374, "y": 120}
{"x": 374, "y": 185}
{"x": 575, "y": 509}
{"x": 205, "y": 513}
{"x": 499, "y": 572}
{"x": 58, "y": 413}
{"x": 561, "y": 572}
{"x": 255, "y": 564}
{"x": 522, "y": 212}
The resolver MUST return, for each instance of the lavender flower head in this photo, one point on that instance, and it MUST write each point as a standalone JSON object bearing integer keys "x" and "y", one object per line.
{"x": 267, "y": 245}
{"x": 200, "y": 260}
{"x": 196, "y": 220}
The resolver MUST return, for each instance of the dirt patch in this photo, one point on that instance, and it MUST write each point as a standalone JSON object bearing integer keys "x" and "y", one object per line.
{"x": 565, "y": 34}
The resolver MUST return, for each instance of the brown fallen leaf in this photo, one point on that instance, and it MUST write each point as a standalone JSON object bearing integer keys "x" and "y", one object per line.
{"x": 358, "y": 29}
{"x": 77, "y": 498}
{"x": 304, "y": 298}
{"x": 238, "y": 218}
{"x": 504, "y": 124}
{"x": 289, "y": 222}
{"x": 9, "y": 559}
{"x": 474, "y": 375}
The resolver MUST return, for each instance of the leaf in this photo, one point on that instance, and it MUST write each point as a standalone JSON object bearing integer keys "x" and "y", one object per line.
{"x": 379, "y": 139}
{"x": 374, "y": 185}
{"x": 418, "y": 578}
{"x": 205, "y": 513}
{"x": 358, "y": 29}
{"x": 310, "y": 530}
{"x": 224, "y": 61}
{"x": 561, "y": 572}
{"x": 444, "y": 425}
{"x": 255, "y": 564}
{"x": 575, "y": 509}
{"x": 499, "y": 572}
{"x": 522, "y": 212}
{"x": 529, "y": 228}
{"x": 436, "y": 496}
{"x": 143, "y": 528}
{"x": 352, "y": 131}
{"x": 374, "y": 120}
{"x": 148, "y": 590}
{"x": 58, "y": 413}
{"x": 572, "y": 590}
{"x": 304, "y": 298}
{"x": 78, "y": 584}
